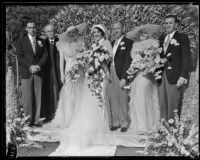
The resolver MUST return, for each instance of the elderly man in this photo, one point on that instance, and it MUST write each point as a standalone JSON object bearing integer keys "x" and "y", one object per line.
{"x": 117, "y": 97}
{"x": 52, "y": 82}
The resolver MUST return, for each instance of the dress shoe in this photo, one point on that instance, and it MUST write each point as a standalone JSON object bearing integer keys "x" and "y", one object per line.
{"x": 38, "y": 125}
{"x": 124, "y": 129}
{"x": 113, "y": 128}
{"x": 31, "y": 125}
{"x": 47, "y": 120}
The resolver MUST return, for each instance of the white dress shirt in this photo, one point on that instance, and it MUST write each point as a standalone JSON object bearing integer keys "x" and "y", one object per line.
{"x": 33, "y": 41}
{"x": 115, "y": 46}
{"x": 171, "y": 35}
{"x": 51, "y": 40}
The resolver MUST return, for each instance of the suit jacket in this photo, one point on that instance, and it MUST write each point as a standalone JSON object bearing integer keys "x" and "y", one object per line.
{"x": 122, "y": 58}
{"x": 53, "y": 62}
{"x": 179, "y": 60}
{"x": 27, "y": 57}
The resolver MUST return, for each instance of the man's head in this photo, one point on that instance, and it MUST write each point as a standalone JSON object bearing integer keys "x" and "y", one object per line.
{"x": 31, "y": 28}
{"x": 170, "y": 23}
{"x": 117, "y": 29}
{"x": 50, "y": 31}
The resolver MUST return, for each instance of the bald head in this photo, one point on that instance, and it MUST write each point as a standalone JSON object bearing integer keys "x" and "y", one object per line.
{"x": 119, "y": 24}
{"x": 117, "y": 29}
{"x": 49, "y": 27}
{"x": 50, "y": 31}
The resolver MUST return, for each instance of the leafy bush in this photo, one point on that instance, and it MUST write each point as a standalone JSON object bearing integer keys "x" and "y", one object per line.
{"x": 131, "y": 16}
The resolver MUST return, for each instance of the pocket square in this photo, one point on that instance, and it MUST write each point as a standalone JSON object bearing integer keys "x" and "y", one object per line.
{"x": 122, "y": 48}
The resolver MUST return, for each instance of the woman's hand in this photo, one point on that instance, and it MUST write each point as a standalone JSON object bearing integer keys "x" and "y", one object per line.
{"x": 105, "y": 67}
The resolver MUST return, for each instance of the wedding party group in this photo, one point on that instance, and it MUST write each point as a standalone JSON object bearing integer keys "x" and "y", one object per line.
{"x": 108, "y": 94}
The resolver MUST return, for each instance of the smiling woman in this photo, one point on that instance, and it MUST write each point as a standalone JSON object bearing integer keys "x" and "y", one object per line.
{"x": 98, "y": 34}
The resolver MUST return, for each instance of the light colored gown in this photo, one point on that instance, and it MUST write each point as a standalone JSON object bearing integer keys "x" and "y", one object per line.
{"x": 144, "y": 105}
{"x": 79, "y": 124}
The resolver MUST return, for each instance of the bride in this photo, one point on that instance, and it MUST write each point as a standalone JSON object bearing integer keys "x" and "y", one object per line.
{"x": 86, "y": 131}
{"x": 144, "y": 106}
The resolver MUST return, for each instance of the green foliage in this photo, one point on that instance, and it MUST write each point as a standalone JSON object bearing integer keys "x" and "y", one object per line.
{"x": 16, "y": 17}
{"x": 131, "y": 16}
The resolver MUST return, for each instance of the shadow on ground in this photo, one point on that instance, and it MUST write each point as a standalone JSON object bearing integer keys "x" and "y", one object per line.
{"x": 51, "y": 147}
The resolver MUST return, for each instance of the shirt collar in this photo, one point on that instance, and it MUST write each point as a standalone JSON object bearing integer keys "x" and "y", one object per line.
{"x": 172, "y": 34}
{"x": 119, "y": 40}
{"x": 31, "y": 37}
{"x": 51, "y": 40}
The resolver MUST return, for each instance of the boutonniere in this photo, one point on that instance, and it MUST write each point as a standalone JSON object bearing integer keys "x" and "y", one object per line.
{"x": 40, "y": 43}
{"x": 174, "y": 42}
{"x": 122, "y": 43}
{"x": 122, "y": 48}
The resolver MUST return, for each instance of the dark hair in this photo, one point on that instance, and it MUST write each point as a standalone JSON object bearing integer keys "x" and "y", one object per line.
{"x": 100, "y": 30}
{"x": 172, "y": 16}
{"x": 30, "y": 21}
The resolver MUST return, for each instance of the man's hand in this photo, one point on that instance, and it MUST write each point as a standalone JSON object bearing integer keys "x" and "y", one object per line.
{"x": 181, "y": 81}
{"x": 122, "y": 83}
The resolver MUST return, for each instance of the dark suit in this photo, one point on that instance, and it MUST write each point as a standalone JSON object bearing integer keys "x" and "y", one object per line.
{"x": 170, "y": 97}
{"x": 123, "y": 58}
{"x": 31, "y": 83}
{"x": 117, "y": 97}
{"x": 52, "y": 82}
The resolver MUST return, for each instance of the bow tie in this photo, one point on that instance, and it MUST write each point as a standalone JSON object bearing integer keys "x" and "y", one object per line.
{"x": 52, "y": 42}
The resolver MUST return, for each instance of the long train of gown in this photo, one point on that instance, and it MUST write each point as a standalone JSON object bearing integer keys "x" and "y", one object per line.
{"x": 67, "y": 104}
{"x": 88, "y": 133}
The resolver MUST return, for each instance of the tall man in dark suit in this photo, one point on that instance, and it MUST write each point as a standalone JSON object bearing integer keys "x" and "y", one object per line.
{"x": 117, "y": 97}
{"x": 176, "y": 50}
{"x": 52, "y": 82}
{"x": 31, "y": 53}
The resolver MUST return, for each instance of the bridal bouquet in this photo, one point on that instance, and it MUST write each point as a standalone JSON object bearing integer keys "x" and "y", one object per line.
{"x": 81, "y": 61}
{"x": 146, "y": 61}
{"x": 97, "y": 61}
{"x": 174, "y": 138}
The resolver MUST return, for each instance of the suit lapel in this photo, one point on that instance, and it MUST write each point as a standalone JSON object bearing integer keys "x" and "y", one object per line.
{"x": 118, "y": 48}
{"x": 28, "y": 42}
{"x": 170, "y": 46}
{"x": 36, "y": 45}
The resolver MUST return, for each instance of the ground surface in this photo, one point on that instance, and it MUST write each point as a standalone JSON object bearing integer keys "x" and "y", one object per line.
{"x": 50, "y": 147}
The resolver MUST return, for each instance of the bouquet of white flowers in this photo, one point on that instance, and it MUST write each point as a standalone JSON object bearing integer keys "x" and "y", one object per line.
{"x": 96, "y": 63}
{"x": 80, "y": 65}
{"x": 174, "y": 138}
{"x": 146, "y": 61}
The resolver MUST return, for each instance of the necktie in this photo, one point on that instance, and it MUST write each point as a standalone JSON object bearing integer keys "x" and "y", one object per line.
{"x": 115, "y": 46}
{"x": 116, "y": 41}
{"x": 166, "y": 43}
{"x": 33, "y": 44}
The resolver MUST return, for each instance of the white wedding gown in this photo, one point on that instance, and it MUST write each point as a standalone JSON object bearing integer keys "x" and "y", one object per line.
{"x": 82, "y": 128}
{"x": 144, "y": 104}
{"x": 79, "y": 124}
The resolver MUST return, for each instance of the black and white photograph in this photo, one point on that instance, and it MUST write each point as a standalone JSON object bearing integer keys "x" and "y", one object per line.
{"x": 101, "y": 79}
